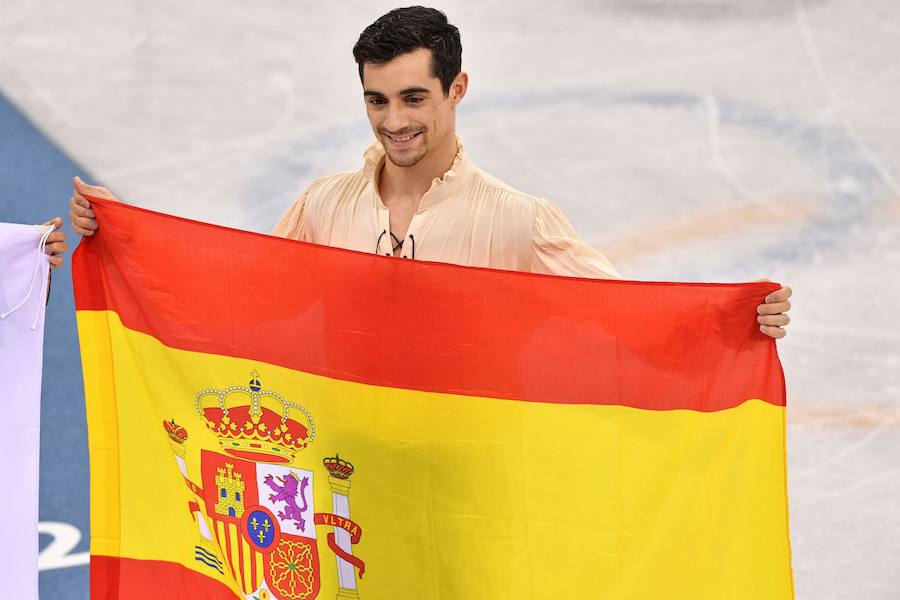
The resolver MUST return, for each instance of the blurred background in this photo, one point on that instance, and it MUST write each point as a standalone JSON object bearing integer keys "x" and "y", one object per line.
{"x": 714, "y": 140}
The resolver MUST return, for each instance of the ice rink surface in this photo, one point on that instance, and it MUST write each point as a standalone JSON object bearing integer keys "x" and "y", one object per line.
{"x": 715, "y": 140}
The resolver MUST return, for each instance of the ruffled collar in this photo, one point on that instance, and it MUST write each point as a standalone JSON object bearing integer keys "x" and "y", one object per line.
{"x": 441, "y": 187}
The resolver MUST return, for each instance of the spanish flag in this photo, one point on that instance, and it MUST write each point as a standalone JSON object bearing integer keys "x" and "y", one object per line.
{"x": 275, "y": 420}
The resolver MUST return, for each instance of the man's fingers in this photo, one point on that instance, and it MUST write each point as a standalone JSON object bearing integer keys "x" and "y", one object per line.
{"x": 772, "y": 318}
{"x": 85, "y": 224}
{"x": 775, "y": 320}
{"x": 780, "y": 295}
{"x": 81, "y": 225}
{"x": 81, "y": 210}
{"x": 78, "y": 201}
{"x": 775, "y": 332}
{"x": 774, "y": 308}
{"x": 55, "y": 243}
{"x": 84, "y": 220}
{"x": 57, "y": 247}
{"x": 82, "y": 231}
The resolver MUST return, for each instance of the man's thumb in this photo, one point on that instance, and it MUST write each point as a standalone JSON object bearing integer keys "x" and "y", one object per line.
{"x": 90, "y": 190}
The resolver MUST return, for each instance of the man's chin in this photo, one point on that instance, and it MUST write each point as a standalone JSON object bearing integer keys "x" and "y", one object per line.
{"x": 404, "y": 159}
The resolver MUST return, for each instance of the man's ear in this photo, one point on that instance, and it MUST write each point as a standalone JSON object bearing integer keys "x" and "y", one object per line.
{"x": 458, "y": 87}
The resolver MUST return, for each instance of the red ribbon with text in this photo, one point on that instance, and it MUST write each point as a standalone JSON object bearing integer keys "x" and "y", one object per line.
{"x": 350, "y": 527}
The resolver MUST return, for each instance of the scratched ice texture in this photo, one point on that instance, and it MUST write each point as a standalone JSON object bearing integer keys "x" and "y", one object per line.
{"x": 689, "y": 139}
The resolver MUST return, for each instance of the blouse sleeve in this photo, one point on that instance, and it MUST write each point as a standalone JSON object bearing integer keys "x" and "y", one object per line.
{"x": 291, "y": 225}
{"x": 558, "y": 250}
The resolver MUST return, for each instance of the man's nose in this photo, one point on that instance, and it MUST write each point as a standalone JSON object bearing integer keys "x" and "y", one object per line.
{"x": 396, "y": 119}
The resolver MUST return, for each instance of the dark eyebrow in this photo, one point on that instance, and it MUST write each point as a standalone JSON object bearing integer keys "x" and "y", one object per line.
{"x": 405, "y": 92}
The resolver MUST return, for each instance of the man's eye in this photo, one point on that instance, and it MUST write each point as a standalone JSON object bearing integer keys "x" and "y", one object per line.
{"x": 415, "y": 99}
{"x": 376, "y": 101}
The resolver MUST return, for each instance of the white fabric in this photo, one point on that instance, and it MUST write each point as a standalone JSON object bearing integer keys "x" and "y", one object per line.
{"x": 24, "y": 276}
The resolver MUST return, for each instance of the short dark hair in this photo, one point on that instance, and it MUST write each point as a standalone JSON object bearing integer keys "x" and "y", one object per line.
{"x": 407, "y": 29}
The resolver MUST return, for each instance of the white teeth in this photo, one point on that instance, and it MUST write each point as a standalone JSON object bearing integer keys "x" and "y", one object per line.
{"x": 404, "y": 138}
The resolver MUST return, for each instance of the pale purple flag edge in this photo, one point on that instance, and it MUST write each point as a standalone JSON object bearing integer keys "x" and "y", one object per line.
{"x": 24, "y": 273}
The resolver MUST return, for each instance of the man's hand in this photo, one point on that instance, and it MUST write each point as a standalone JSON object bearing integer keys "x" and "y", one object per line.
{"x": 84, "y": 221}
{"x": 56, "y": 242}
{"x": 773, "y": 317}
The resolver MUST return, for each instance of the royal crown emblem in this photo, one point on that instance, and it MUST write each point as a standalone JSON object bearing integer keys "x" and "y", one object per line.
{"x": 254, "y": 423}
{"x": 337, "y": 467}
{"x": 176, "y": 432}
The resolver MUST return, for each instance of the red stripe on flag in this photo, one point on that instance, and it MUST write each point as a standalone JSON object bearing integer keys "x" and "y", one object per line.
{"x": 114, "y": 578}
{"x": 427, "y": 326}
{"x": 240, "y": 545}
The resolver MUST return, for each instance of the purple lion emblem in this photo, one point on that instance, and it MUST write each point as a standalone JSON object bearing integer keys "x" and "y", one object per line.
{"x": 287, "y": 492}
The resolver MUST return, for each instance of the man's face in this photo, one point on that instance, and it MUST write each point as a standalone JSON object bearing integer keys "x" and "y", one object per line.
{"x": 407, "y": 108}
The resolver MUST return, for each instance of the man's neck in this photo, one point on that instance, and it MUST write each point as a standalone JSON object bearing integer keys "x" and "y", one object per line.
{"x": 409, "y": 184}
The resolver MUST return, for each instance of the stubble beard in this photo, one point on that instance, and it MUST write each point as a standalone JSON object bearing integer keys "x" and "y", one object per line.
{"x": 410, "y": 157}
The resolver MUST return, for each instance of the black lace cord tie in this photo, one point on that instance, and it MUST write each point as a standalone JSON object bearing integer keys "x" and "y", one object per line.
{"x": 396, "y": 243}
{"x": 378, "y": 243}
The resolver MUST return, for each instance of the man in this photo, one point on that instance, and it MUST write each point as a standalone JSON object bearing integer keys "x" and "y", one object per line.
{"x": 418, "y": 196}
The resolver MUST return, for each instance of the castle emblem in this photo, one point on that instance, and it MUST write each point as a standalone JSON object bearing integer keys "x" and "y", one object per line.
{"x": 255, "y": 507}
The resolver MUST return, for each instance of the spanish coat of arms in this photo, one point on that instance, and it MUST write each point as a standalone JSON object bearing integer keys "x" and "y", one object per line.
{"x": 254, "y": 507}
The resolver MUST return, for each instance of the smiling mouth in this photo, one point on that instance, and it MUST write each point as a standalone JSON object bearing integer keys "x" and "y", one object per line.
{"x": 402, "y": 140}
